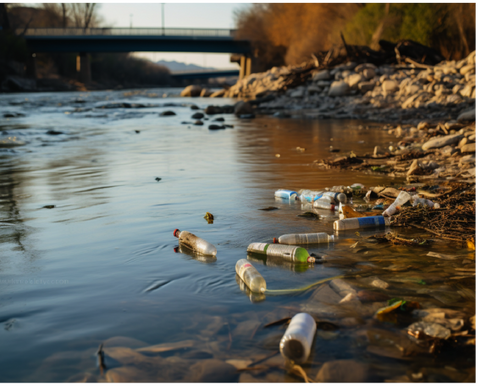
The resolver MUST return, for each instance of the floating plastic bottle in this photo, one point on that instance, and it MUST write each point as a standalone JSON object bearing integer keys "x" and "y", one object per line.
{"x": 401, "y": 199}
{"x": 250, "y": 276}
{"x": 297, "y": 341}
{"x": 288, "y": 194}
{"x": 278, "y": 263}
{"x": 183, "y": 249}
{"x": 361, "y": 222}
{"x": 195, "y": 243}
{"x": 285, "y": 252}
{"x": 254, "y": 297}
{"x": 325, "y": 202}
{"x": 310, "y": 195}
{"x": 304, "y": 238}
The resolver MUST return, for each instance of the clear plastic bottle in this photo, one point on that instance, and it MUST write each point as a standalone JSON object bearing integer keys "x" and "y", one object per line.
{"x": 250, "y": 276}
{"x": 361, "y": 222}
{"x": 287, "y": 194}
{"x": 254, "y": 297}
{"x": 195, "y": 243}
{"x": 285, "y": 252}
{"x": 297, "y": 341}
{"x": 325, "y": 202}
{"x": 424, "y": 201}
{"x": 401, "y": 199}
{"x": 304, "y": 238}
{"x": 310, "y": 195}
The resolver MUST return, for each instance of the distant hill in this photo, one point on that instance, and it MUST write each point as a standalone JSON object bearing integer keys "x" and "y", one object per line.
{"x": 175, "y": 66}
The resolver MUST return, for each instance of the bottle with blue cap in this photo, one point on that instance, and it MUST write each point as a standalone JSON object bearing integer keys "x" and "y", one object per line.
{"x": 286, "y": 194}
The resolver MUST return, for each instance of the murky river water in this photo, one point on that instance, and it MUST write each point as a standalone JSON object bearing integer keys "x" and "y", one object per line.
{"x": 102, "y": 263}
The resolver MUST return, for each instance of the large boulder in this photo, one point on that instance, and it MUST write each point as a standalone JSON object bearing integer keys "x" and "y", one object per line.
{"x": 242, "y": 108}
{"x": 191, "y": 91}
{"x": 437, "y": 142}
{"x": 338, "y": 88}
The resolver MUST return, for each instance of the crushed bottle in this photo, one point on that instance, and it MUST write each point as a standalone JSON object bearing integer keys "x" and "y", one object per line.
{"x": 297, "y": 341}
{"x": 250, "y": 276}
{"x": 304, "y": 238}
{"x": 195, "y": 243}
{"x": 325, "y": 202}
{"x": 287, "y": 194}
{"x": 401, "y": 199}
{"x": 361, "y": 222}
{"x": 423, "y": 201}
{"x": 285, "y": 252}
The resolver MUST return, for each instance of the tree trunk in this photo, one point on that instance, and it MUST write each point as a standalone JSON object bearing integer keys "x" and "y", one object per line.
{"x": 378, "y": 32}
{"x": 4, "y": 22}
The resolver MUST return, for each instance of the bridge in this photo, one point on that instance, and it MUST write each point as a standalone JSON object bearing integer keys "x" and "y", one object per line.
{"x": 86, "y": 40}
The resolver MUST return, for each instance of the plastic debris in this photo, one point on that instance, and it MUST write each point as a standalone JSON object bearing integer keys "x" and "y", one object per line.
{"x": 422, "y": 330}
{"x": 361, "y": 222}
{"x": 288, "y": 194}
{"x": 250, "y": 276}
{"x": 401, "y": 199}
{"x": 195, "y": 243}
{"x": 285, "y": 252}
{"x": 297, "y": 341}
{"x": 209, "y": 217}
{"x": 304, "y": 238}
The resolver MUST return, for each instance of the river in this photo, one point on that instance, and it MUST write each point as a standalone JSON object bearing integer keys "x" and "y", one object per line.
{"x": 93, "y": 185}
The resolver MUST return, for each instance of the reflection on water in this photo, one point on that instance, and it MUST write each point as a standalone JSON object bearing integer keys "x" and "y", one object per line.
{"x": 100, "y": 265}
{"x": 181, "y": 248}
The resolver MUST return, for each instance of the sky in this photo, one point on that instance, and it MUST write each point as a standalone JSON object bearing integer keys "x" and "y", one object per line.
{"x": 192, "y": 15}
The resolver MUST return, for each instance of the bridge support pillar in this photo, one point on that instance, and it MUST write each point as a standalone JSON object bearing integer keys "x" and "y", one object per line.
{"x": 83, "y": 67}
{"x": 31, "y": 66}
{"x": 245, "y": 67}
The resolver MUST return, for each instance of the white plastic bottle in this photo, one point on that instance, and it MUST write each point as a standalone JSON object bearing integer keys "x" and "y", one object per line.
{"x": 304, "y": 238}
{"x": 195, "y": 243}
{"x": 250, "y": 276}
{"x": 401, "y": 199}
{"x": 297, "y": 341}
{"x": 325, "y": 202}
{"x": 361, "y": 222}
{"x": 287, "y": 194}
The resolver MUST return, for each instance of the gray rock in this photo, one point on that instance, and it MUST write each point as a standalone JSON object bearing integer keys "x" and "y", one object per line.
{"x": 338, "y": 88}
{"x": 390, "y": 86}
{"x": 469, "y": 148}
{"x": 191, "y": 91}
{"x": 313, "y": 89}
{"x": 467, "y": 116}
{"x": 322, "y": 75}
{"x": 353, "y": 80}
{"x": 368, "y": 73}
{"x": 344, "y": 370}
{"x": 167, "y": 113}
{"x": 323, "y": 83}
{"x": 198, "y": 116}
{"x": 297, "y": 93}
{"x": 437, "y": 142}
{"x": 365, "y": 66}
{"x": 366, "y": 86}
{"x": 211, "y": 370}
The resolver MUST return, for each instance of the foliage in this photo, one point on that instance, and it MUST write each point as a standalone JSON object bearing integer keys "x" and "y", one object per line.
{"x": 288, "y": 33}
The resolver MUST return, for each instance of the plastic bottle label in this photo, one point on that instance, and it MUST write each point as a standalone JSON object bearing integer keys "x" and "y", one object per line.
{"x": 284, "y": 251}
{"x": 373, "y": 221}
{"x": 246, "y": 265}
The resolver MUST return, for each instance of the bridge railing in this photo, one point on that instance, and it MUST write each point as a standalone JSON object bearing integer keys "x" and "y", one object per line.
{"x": 73, "y": 31}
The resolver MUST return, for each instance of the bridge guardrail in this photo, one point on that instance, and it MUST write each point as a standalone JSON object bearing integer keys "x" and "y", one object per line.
{"x": 74, "y": 31}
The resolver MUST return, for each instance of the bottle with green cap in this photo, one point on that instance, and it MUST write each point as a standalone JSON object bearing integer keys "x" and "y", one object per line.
{"x": 285, "y": 252}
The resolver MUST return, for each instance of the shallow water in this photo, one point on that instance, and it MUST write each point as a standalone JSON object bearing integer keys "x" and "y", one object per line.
{"x": 101, "y": 263}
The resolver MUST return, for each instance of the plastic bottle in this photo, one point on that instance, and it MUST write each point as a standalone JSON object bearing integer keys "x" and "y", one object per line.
{"x": 310, "y": 195}
{"x": 424, "y": 201}
{"x": 325, "y": 203}
{"x": 250, "y": 276}
{"x": 304, "y": 238}
{"x": 361, "y": 222}
{"x": 401, "y": 199}
{"x": 288, "y": 194}
{"x": 195, "y": 243}
{"x": 297, "y": 340}
{"x": 285, "y": 252}
{"x": 337, "y": 196}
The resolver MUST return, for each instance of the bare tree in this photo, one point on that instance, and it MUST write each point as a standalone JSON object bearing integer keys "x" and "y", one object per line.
{"x": 84, "y": 14}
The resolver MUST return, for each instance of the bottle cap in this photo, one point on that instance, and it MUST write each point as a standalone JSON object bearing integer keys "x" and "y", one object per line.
{"x": 175, "y": 232}
{"x": 275, "y": 240}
